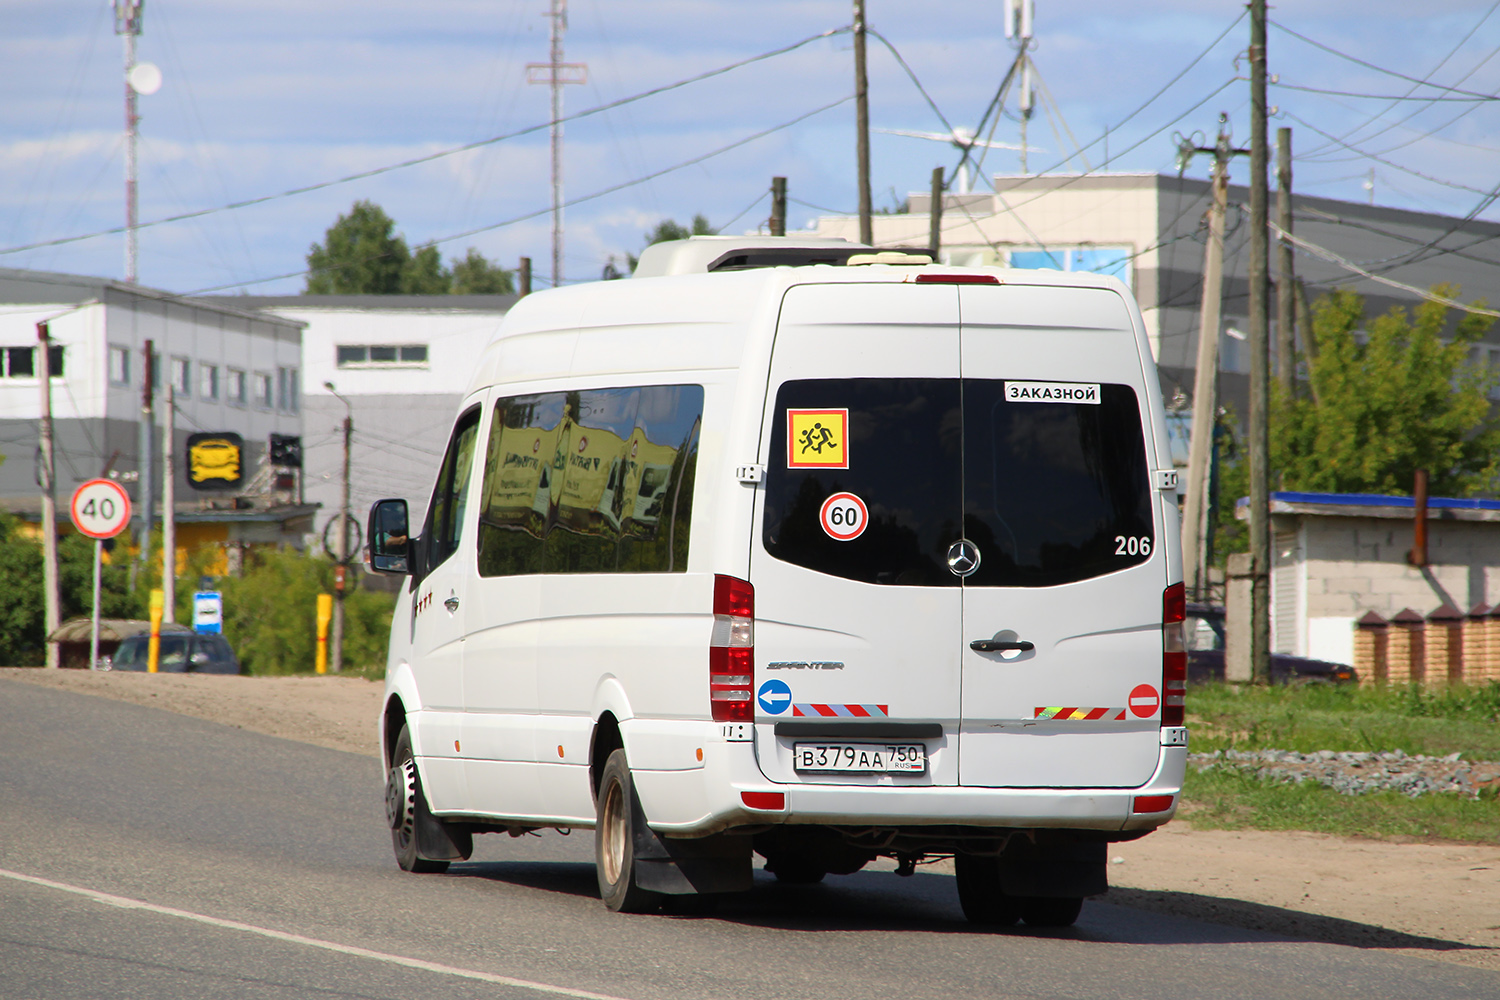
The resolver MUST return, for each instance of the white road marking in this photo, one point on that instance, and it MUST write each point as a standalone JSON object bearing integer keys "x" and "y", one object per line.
{"x": 126, "y": 903}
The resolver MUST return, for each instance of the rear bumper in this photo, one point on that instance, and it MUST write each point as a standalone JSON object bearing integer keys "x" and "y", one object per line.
{"x": 675, "y": 801}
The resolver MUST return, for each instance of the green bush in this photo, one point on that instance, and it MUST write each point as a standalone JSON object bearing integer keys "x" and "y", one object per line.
{"x": 271, "y": 615}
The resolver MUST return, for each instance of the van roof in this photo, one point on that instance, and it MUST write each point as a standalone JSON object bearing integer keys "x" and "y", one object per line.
{"x": 701, "y": 308}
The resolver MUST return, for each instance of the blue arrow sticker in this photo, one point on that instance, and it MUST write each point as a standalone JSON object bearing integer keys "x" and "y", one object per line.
{"x": 775, "y": 696}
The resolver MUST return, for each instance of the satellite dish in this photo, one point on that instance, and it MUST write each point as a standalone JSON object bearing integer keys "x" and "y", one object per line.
{"x": 144, "y": 78}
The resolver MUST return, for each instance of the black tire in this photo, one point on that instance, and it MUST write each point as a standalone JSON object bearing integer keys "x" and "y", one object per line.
{"x": 614, "y": 841}
{"x": 405, "y": 805}
{"x": 1042, "y": 911}
{"x": 979, "y": 892}
{"x": 795, "y": 871}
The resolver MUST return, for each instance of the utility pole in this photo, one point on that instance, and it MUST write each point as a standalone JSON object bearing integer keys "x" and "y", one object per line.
{"x": 168, "y": 510}
{"x": 935, "y": 214}
{"x": 862, "y": 125}
{"x": 52, "y": 616}
{"x": 1018, "y": 20}
{"x": 1286, "y": 323}
{"x": 341, "y": 545}
{"x": 128, "y": 14}
{"x": 524, "y": 278}
{"x": 778, "y": 206}
{"x": 1260, "y": 358}
{"x": 555, "y": 73}
{"x": 147, "y": 488}
{"x": 1196, "y": 513}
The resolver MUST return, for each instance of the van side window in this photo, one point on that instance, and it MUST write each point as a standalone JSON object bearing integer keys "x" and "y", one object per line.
{"x": 590, "y": 481}
{"x": 445, "y": 514}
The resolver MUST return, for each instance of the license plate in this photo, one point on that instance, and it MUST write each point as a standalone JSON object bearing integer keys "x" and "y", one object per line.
{"x": 881, "y": 757}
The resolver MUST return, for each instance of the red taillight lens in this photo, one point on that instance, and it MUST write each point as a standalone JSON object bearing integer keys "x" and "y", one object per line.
{"x": 731, "y": 651}
{"x": 766, "y": 800}
{"x": 1151, "y": 803}
{"x": 1173, "y": 656}
{"x": 733, "y": 596}
{"x": 957, "y": 279}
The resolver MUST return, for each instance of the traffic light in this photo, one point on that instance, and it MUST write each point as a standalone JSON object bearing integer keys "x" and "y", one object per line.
{"x": 286, "y": 451}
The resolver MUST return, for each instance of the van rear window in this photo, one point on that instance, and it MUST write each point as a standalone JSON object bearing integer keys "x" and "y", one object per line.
{"x": 590, "y": 481}
{"x": 1050, "y": 492}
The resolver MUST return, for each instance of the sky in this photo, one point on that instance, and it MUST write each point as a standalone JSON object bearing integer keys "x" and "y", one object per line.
{"x": 265, "y": 98}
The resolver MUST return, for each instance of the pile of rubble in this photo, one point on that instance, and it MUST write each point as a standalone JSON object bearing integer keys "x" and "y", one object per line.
{"x": 1355, "y": 773}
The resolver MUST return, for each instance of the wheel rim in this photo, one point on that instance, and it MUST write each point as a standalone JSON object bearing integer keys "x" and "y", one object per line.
{"x": 401, "y": 799}
{"x": 614, "y": 833}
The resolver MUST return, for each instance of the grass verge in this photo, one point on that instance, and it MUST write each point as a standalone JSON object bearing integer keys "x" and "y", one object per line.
{"x": 1435, "y": 722}
{"x": 1324, "y": 717}
{"x": 1235, "y": 801}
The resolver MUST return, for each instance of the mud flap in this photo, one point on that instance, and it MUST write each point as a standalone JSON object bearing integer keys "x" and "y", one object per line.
{"x": 439, "y": 841}
{"x": 678, "y": 867}
{"x": 1066, "y": 870}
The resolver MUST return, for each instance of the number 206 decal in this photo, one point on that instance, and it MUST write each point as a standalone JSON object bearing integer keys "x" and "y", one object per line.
{"x": 1130, "y": 545}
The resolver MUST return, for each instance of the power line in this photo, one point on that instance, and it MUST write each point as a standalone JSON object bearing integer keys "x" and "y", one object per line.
{"x": 1381, "y": 160}
{"x": 1381, "y": 69}
{"x": 1381, "y": 97}
{"x": 376, "y": 171}
{"x": 568, "y": 204}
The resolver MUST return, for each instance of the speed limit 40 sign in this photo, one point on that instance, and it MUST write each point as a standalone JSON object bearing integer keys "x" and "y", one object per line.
{"x": 101, "y": 508}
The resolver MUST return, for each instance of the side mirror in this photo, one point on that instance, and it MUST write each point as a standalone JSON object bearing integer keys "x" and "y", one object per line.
{"x": 388, "y": 538}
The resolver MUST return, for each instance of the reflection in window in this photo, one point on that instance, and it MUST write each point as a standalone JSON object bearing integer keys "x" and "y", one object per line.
{"x": 595, "y": 481}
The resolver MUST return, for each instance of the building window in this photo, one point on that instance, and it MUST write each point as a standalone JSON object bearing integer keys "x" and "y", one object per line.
{"x": 20, "y": 362}
{"x": 381, "y": 355}
{"x": 264, "y": 391}
{"x": 208, "y": 381}
{"x": 182, "y": 372}
{"x": 235, "y": 391}
{"x": 288, "y": 388}
{"x": 119, "y": 365}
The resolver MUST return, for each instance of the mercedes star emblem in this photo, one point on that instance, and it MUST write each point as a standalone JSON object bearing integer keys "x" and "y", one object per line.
{"x": 963, "y": 557}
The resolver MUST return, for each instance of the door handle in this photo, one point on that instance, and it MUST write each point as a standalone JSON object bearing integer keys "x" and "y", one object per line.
{"x": 1002, "y": 646}
{"x": 451, "y": 604}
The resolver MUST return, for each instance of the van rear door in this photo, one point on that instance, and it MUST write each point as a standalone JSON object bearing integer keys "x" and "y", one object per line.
{"x": 857, "y": 616}
{"x": 1065, "y": 528}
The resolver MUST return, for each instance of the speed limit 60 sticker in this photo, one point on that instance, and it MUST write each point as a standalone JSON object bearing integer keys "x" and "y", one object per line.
{"x": 844, "y": 517}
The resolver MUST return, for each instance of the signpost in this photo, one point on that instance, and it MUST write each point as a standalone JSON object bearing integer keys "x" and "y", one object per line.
{"x": 100, "y": 510}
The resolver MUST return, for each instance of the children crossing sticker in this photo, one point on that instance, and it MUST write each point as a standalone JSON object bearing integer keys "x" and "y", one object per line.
{"x": 817, "y": 439}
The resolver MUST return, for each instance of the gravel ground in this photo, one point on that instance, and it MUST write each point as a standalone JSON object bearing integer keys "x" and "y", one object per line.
{"x": 1357, "y": 773}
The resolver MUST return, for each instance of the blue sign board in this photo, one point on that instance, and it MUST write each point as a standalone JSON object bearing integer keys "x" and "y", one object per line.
{"x": 208, "y": 611}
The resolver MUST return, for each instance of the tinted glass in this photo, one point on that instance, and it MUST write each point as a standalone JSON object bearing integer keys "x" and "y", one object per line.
{"x": 445, "y": 515}
{"x": 351, "y": 354}
{"x": 592, "y": 481}
{"x": 1054, "y": 491}
{"x": 382, "y": 353}
{"x": 904, "y": 458}
{"x": 131, "y": 653}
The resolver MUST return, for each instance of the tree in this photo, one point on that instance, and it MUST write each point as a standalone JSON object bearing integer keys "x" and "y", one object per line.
{"x": 361, "y": 254}
{"x": 1381, "y": 409}
{"x": 425, "y": 274}
{"x": 476, "y": 276}
{"x": 1375, "y": 412}
{"x": 669, "y": 229}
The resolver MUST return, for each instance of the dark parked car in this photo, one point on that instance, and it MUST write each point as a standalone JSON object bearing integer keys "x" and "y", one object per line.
{"x": 180, "y": 653}
{"x": 1205, "y": 642}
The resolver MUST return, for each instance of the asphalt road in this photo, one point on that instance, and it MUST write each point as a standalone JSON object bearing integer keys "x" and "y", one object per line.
{"x": 146, "y": 854}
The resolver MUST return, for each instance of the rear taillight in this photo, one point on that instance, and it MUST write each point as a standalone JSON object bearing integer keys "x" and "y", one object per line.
{"x": 731, "y": 650}
{"x": 929, "y": 278}
{"x": 1173, "y": 655}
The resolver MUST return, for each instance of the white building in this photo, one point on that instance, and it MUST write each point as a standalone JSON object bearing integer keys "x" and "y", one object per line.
{"x": 232, "y": 370}
{"x": 402, "y": 362}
